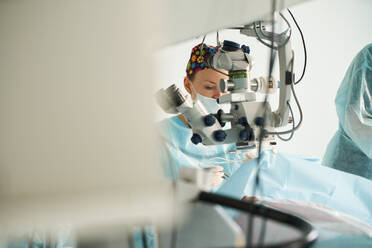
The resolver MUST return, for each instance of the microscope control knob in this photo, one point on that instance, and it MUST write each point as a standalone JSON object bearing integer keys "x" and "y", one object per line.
{"x": 246, "y": 49}
{"x": 229, "y": 45}
{"x": 219, "y": 135}
{"x": 243, "y": 121}
{"x": 209, "y": 120}
{"x": 196, "y": 139}
{"x": 244, "y": 135}
{"x": 259, "y": 121}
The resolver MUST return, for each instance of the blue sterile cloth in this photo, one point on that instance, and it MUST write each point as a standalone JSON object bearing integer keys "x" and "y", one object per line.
{"x": 336, "y": 240}
{"x": 285, "y": 176}
{"x": 350, "y": 149}
{"x": 177, "y": 149}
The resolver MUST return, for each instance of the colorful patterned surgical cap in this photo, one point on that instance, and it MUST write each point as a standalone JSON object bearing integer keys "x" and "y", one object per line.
{"x": 197, "y": 61}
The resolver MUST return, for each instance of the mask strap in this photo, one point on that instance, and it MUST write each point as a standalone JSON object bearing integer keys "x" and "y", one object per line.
{"x": 193, "y": 88}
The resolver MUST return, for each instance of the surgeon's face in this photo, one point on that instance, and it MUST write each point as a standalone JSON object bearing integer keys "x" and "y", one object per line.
{"x": 205, "y": 83}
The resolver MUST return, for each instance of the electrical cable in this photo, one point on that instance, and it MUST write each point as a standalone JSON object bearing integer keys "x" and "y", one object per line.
{"x": 260, "y": 39}
{"x": 301, "y": 117}
{"x": 304, "y": 46}
{"x": 293, "y": 125}
{"x": 262, "y": 31}
{"x": 299, "y": 108}
{"x": 209, "y": 66}
{"x": 288, "y": 29}
{"x": 273, "y": 34}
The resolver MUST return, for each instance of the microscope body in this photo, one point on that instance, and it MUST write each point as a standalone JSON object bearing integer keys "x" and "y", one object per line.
{"x": 248, "y": 116}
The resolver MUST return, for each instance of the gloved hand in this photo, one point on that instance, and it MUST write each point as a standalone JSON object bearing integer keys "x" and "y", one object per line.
{"x": 251, "y": 154}
{"x": 218, "y": 174}
{"x": 251, "y": 199}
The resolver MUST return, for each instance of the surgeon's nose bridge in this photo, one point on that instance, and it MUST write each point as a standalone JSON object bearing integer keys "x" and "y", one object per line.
{"x": 217, "y": 93}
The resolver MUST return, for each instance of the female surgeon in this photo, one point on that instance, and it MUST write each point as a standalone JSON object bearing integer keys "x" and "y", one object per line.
{"x": 350, "y": 149}
{"x": 177, "y": 150}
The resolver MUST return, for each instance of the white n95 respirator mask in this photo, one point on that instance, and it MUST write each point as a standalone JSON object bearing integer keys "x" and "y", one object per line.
{"x": 211, "y": 104}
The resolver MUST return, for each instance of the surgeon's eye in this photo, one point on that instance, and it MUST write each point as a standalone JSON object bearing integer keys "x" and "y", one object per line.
{"x": 207, "y": 87}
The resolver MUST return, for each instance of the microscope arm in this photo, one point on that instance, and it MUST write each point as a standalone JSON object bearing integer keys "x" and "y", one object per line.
{"x": 286, "y": 58}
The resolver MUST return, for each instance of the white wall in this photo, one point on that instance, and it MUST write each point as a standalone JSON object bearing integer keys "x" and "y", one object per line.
{"x": 70, "y": 150}
{"x": 334, "y": 32}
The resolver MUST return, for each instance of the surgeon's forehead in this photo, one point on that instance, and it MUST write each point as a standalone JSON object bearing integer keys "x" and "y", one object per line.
{"x": 210, "y": 75}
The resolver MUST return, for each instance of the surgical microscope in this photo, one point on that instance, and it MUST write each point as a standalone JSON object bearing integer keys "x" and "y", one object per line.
{"x": 247, "y": 114}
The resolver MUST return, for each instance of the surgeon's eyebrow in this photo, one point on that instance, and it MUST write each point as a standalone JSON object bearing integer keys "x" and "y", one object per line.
{"x": 211, "y": 82}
